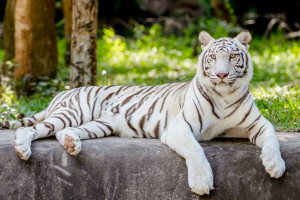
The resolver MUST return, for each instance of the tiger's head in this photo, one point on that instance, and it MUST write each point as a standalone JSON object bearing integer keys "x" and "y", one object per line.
{"x": 225, "y": 62}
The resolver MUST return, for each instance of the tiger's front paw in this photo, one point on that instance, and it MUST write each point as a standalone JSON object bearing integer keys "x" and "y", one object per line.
{"x": 272, "y": 161}
{"x": 22, "y": 143}
{"x": 200, "y": 176}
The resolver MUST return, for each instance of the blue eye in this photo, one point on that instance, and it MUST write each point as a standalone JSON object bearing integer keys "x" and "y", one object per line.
{"x": 232, "y": 55}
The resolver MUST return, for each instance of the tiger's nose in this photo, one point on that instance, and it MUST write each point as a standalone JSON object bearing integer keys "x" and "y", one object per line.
{"x": 222, "y": 75}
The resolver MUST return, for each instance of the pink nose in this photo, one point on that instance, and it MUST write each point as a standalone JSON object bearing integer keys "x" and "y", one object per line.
{"x": 222, "y": 75}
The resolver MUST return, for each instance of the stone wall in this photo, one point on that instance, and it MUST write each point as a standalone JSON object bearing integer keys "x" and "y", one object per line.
{"x": 123, "y": 168}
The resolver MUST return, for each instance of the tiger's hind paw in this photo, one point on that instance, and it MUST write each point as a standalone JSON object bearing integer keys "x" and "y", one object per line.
{"x": 22, "y": 143}
{"x": 69, "y": 140}
{"x": 72, "y": 144}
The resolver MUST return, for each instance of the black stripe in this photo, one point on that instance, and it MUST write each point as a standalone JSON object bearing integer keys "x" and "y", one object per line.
{"x": 50, "y": 126}
{"x": 88, "y": 97}
{"x": 131, "y": 126}
{"x": 84, "y": 131}
{"x": 240, "y": 101}
{"x": 199, "y": 116}
{"x": 56, "y": 98}
{"x": 162, "y": 88}
{"x": 256, "y": 135}
{"x": 96, "y": 93}
{"x": 198, "y": 101}
{"x": 71, "y": 106}
{"x": 141, "y": 124}
{"x": 151, "y": 109}
{"x": 62, "y": 120}
{"x": 80, "y": 109}
{"x": 54, "y": 109}
{"x": 167, "y": 92}
{"x": 251, "y": 126}
{"x": 93, "y": 109}
{"x": 85, "y": 88}
{"x": 126, "y": 87}
{"x": 207, "y": 99}
{"x": 70, "y": 121}
{"x": 75, "y": 92}
{"x": 102, "y": 131}
{"x": 72, "y": 114}
{"x": 70, "y": 93}
{"x": 217, "y": 93}
{"x": 106, "y": 99}
{"x": 166, "y": 120}
{"x": 105, "y": 124}
{"x": 187, "y": 122}
{"x": 107, "y": 87}
{"x": 128, "y": 118}
{"x": 87, "y": 131}
{"x": 34, "y": 118}
{"x": 156, "y": 130}
{"x": 129, "y": 98}
{"x": 91, "y": 132}
{"x": 184, "y": 84}
{"x": 30, "y": 122}
{"x": 150, "y": 88}
{"x": 184, "y": 98}
{"x": 203, "y": 63}
{"x": 247, "y": 114}
{"x": 121, "y": 87}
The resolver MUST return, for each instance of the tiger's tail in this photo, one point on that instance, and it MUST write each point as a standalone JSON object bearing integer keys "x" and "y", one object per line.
{"x": 25, "y": 122}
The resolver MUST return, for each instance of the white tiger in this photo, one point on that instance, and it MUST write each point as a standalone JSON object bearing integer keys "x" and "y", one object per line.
{"x": 215, "y": 101}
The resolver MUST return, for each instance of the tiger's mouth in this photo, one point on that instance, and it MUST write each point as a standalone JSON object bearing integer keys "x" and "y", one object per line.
{"x": 223, "y": 82}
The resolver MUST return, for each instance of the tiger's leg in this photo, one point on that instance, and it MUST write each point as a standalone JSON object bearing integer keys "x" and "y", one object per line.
{"x": 180, "y": 138}
{"x": 25, "y": 122}
{"x": 24, "y": 136}
{"x": 71, "y": 137}
{"x": 262, "y": 134}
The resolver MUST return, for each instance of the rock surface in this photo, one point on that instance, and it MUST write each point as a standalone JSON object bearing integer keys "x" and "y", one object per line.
{"x": 123, "y": 168}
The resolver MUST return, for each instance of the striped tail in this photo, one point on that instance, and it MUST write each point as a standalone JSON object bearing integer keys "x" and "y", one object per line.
{"x": 25, "y": 122}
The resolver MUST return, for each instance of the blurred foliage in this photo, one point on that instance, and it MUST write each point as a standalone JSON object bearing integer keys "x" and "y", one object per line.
{"x": 149, "y": 57}
{"x": 276, "y": 60}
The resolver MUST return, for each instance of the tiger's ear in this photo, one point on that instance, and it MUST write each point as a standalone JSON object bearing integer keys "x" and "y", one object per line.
{"x": 204, "y": 38}
{"x": 244, "y": 38}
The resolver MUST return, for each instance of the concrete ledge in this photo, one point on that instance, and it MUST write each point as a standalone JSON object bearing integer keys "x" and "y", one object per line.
{"x": 122, "y": 168}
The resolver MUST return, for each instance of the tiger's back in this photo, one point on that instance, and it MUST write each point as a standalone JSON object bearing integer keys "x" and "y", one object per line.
{"x": 135, "y": 111}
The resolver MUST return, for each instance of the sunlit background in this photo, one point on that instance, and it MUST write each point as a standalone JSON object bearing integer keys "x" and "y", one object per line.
{"x": 147, "y": 50}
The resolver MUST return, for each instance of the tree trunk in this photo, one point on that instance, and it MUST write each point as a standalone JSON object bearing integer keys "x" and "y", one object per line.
{"x": 83, "y": 69}
{"x": 221, "y": 10}
{"x": 67, "y": 11}
{"x": 8, "y": 35}
{"x": 35, "y": 39}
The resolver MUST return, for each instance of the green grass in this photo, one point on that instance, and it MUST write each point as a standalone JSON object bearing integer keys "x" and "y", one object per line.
{"x": 280, "y": 105}
{"x": 150, "y": 58}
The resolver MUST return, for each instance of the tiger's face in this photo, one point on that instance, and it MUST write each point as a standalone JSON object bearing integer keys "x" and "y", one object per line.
{"x": 225, "y": 62}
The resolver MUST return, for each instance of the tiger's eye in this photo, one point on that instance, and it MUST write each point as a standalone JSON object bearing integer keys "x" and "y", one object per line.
{"x": 232, "y": 55}
{"x": 213, "y": 56}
